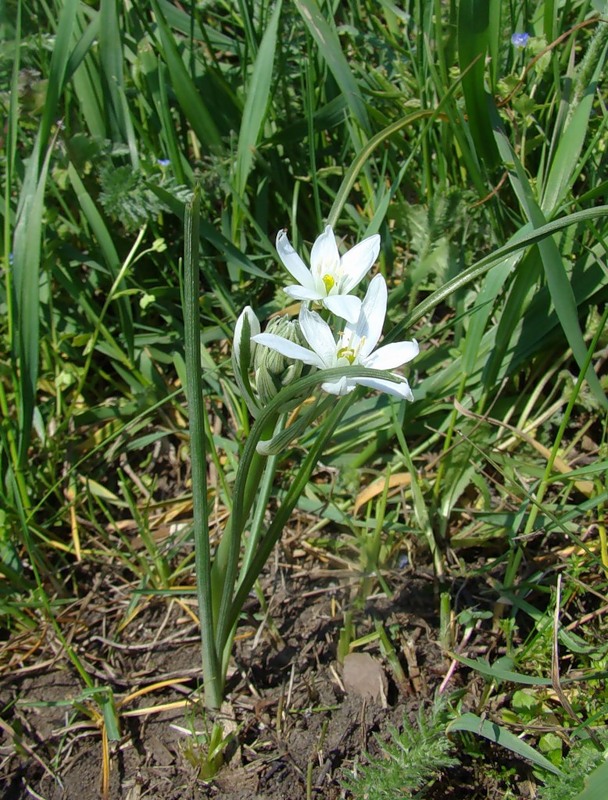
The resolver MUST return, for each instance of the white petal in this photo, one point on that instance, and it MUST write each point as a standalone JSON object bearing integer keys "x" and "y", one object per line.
{"x": 392, "y": 355}
{"x": 358, "y": 262}
{"x": 324, "y": 256}
{"x": 288, "y": 349}
{"x": 318, "y": 335}
{"x": 345, "y": 306}
{"x": 371, "y": 319}
{"x": 292, "y": 261}
{"x": 341, "y": 386}
{"x": 401, "y": 390}
{"x": 302, "y": 293}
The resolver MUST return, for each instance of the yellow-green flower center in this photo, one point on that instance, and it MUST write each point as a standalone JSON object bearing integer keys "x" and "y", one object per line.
{"x": 348, "y": 353}
{"x": 329, "y": 282}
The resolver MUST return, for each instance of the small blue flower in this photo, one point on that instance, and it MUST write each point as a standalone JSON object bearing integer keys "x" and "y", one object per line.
{"x": 163, "y": 162}
{"x": 520, "y": 40}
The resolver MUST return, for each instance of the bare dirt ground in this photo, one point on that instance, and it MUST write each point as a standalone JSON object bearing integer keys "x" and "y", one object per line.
{"x": 299, "y": 721}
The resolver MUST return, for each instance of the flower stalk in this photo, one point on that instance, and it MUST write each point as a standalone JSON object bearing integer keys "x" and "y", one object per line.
{"x": 211, "y": 668}
{"x": 275, "y": 372}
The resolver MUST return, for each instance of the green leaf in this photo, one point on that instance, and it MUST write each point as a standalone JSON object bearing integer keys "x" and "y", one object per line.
{"x": 552, "y": 261}
{"x": 566, "y": 159}
{"x": 474, "y": 41}
{"x": 188, "y": 95}
{"x": 498, "y": 673}
{"x": 330, "y": 49}
{"x": 499, "y": 735}
{"x": 256, "y": 103}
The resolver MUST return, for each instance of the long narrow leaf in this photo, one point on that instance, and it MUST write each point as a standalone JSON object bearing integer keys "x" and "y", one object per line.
{"x": 499, "y": 735}
{"x": 26, "y": 275}
{"x": 329, "y": 46}
{"x": 553, "y": 265}
{"x": 569, "y": 149}
{"x": 212, "y": 677}
{"x": 112, "y": 259}
{"x": 188, "y": 96}
{"x": 59, "y": 62}
{"x": 256, "y": 102}
{"x": 474, "y": 41}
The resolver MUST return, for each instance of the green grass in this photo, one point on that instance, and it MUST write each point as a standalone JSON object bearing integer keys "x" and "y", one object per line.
{"x": 485, "y": 178}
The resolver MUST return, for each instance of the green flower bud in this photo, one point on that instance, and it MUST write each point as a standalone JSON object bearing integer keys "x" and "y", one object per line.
{"x": 243, "y": 351}
{"x": 273, "y": 370}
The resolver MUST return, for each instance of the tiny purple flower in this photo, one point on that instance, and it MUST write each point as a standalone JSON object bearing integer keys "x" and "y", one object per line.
{"x": 163, "y": 162}
{"x": 520, "y": 40}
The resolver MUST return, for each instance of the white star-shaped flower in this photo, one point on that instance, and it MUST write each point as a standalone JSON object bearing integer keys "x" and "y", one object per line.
{"x": 355, "y": 345}
{"x": 331, "y": 277}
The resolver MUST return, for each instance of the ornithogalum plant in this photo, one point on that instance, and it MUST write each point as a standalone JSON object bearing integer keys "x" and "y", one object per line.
{"x": 332, "y": 344}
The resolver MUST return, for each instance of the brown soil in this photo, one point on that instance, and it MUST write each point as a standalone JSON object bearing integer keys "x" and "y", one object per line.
{"x": 298, "y": 725}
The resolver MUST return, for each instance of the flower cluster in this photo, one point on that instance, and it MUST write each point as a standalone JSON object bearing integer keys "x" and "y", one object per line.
{"x": 311, "y": 340}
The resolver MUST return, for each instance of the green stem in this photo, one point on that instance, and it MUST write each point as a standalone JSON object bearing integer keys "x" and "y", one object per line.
{"x": 282, "y": 515}
{"x": 211, "y": 673}
{"x": 248, "y": 477}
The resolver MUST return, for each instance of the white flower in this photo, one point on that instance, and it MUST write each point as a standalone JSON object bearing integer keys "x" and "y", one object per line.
{"x": 330, "y": 277}
{"x": 354, "y": 346}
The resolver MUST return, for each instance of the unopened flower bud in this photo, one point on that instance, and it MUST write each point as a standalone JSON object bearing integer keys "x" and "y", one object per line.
{"x": 243, "y": 353}
{"x": 273, "y": 370}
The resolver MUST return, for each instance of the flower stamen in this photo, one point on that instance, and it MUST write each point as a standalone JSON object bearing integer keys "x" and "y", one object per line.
{"x": 329, "y": 282}
{"x": 348, "y": 353}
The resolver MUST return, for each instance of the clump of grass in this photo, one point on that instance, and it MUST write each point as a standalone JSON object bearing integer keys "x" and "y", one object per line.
{"x": 582, "y": 760}
{"x": 408, "y": 763}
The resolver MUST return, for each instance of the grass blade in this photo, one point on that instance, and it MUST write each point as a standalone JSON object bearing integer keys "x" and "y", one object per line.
{"x": 256, "y": 109}
{"x": 566, "y": 160}
{"x": 188, "y": 96}
{"x": 555, "y": 273}
{"x": 499, "y": 735}
{"x": 26, "y": 276}
{"x": 473, "y": 44}
{"x": 329, "y": 46}
{"x": 58, "y": 68}
{"x": 112, "y": 259}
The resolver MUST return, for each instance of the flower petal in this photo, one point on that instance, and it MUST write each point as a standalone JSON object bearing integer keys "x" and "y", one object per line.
{"x": 345, "y": 306}
{"x": 292, "y": 261}
{"x": 358, "y": 261}
{"x": 302, "y": 293}
{"x": 341, "y": 386}
{"x": 288, "y": 349}
{"x": 371, "y": 319}
{"x": 319, "y": 336}
{"x": 324, "y": 256}
{"x": 401, "y": 390}
{"x": 392, "y": 355}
